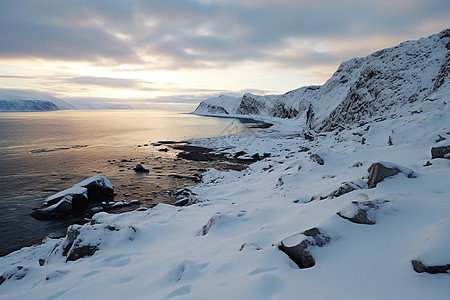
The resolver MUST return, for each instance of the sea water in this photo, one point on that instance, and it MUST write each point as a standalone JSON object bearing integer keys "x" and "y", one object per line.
{"x": 43, "y": 152}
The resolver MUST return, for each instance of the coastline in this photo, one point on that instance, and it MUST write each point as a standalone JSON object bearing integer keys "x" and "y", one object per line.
{"x": 230, "y": 234}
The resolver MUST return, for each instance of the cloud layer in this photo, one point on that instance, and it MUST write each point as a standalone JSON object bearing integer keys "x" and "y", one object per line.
{"x": 174, "y": 35}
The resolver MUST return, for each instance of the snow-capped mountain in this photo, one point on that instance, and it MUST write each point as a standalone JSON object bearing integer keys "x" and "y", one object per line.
{"x": 20, "y": 100}
{"x": 360, "y": 89}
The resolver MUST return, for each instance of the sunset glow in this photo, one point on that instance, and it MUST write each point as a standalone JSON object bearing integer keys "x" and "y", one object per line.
{"x": 185, "y": 51}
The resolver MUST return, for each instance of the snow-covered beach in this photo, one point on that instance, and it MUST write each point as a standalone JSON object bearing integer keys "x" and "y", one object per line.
{"x": 312, "y": 193}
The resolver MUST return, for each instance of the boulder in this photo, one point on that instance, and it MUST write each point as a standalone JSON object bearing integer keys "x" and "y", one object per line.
{"x": 316, "y": 158}
{"x": 140, "y": 169}
{"x": 80, "y": 252}
{"x": 434, "y": 254}
{"x": 183, "y": 197}
{"x": 361, "y": 212}
{"x": 346, "y": 187}
{"x": 296, "y": 246}
{"x": 75, "y": 200}
{"x": 440, "y": 152}
{"x": 382, "y": 170}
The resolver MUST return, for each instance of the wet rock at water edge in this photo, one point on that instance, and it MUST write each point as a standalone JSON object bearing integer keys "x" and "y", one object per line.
{"x": 183, "y": 197}
{"x": 140, "y": 169}
{"x": 75, "y": 200}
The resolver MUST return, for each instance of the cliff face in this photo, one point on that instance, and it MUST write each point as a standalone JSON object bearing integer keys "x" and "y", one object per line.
{"x": 361, "y": 88}
{"x": 27, "y": 105}
{"x": 23, "y": 100}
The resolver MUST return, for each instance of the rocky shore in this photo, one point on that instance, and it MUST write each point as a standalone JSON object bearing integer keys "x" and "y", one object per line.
{"x": 174, "y": 172}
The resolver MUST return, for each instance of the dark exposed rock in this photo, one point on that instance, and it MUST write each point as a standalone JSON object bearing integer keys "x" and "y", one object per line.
{"x": 163, "y": 150}
{"x": 16, "y": 273}
{"x": 182, "y": 202}
{"x": 316, "y": 158}
{"x": 428, "y": 163}
{"x": 379, "y": 171}
{"x": 308, "y": 137}
{"x": 440, "y": 138}
{"x": 299, "y": 253}
{"x": 256, "y": 156}
{"x": 362, "y": 212}
{"x": 140, "y": 169}
{"x": 440, "y": 152}
{"x": 208, "y": 226}
{"x": 80, "y": 252}
{"x": 41, "y": 262}
{"x": 303, "y": 149}
{"x": 419, "y": 267}
{"x": 250, "y": 105}
{"x": 345, "y": 188}
{"x": 240, "y": 153}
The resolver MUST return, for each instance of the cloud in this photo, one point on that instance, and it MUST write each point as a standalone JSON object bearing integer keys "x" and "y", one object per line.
{"x": 180, "y": 34}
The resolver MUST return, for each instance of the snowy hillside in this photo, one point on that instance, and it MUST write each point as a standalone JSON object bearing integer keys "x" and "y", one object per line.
{"x": 360, "y": 89}
{"x": 352, "y": 212}
{"x": 19, "y": 100}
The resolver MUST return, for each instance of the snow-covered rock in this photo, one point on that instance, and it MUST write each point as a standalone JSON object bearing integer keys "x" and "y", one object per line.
{"x": 76, "y": 199}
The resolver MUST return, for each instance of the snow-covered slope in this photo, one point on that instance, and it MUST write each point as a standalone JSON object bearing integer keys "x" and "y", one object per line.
{"x": 250, "y": 234}
{"x": 361, "y": 88}
{"x": 20, "y": 100}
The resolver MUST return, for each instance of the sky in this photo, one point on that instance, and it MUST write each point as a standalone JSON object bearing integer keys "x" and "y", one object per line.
{"x": 175, "y": 53}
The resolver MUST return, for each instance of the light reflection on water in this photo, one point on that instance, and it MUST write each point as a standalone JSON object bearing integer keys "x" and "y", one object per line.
{"x": 57, "y": 149}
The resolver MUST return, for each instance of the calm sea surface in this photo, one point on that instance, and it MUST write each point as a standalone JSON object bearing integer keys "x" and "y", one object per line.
{"x": 41, "y": 151}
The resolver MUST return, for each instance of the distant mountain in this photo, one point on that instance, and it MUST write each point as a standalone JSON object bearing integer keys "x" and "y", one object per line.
{"x": 20, "y": 100}
{"x": 361, "y": 88}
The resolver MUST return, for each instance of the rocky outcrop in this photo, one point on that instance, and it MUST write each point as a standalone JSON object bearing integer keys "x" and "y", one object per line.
{"x": 382, "y": 170}
{"x": 76, "y": 200}
{"x": 419, "y": 267}
{"x": 297, "y": 247}
{"x": 15, "y": 273}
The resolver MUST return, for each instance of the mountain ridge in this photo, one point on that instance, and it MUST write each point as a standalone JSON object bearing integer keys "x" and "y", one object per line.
{"x": 361, "y": 88}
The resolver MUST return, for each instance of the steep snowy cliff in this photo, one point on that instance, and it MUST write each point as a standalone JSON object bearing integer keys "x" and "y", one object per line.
{"x": 360, "y": 89}
{"x": 18, "y": 100}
